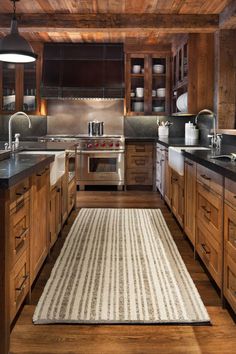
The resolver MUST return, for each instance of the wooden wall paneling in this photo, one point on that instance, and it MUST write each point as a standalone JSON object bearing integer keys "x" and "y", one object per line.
{"x": 19, "y": 86}
{"x": 225, "y": 79}
{"x": 201, "y": 72}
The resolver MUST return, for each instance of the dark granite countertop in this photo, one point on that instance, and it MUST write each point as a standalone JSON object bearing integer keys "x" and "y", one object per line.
{"x": 45, "y": 146}
{"x": 170, "y": 141}
{"x": 20, "y": 166}
{"x": 223, "y": 166}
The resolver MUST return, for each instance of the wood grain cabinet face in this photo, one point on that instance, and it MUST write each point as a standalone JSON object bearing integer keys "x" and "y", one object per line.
{"x": 19, "y": 283}
{"x": 139, "y": 164}
{"x": 190, "y": 172}
{"x": 39, "y": 242}
{"x": 230, "y": 230}
{"x": 210, "y": 251}
{"x": 230, "y": 280}
{"x": 177, "y": 195}
{"x": 55, "y": 212}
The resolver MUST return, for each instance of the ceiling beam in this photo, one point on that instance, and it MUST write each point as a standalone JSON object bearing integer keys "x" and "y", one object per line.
{"x": 227, "y": 18}
{"x": 112, "y": 22}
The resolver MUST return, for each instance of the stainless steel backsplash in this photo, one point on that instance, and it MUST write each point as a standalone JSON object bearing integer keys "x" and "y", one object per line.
{"x": 72, "y": 116}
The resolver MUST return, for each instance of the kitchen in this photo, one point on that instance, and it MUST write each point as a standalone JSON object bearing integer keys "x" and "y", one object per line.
{"x": 121, "y": 127}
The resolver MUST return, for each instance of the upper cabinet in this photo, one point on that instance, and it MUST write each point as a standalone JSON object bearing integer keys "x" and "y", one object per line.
{"x": 83, "y": 70}
{"x": 147, "y": 84}
{"x": 193, "y": 74}
{"x": 20, "y": 86}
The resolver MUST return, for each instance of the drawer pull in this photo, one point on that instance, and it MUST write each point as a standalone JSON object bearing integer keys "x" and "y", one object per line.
{"x": 22, "y": 235}
{"x": 174, "y": 179}
{"x": 204, "y": 247}
{"x": 140, "y": 162}
{"x": 234, "y": 196}
{"x": 23, "y": 284}
{"x": 42, "y": 173}
{"x": 205, "y": 209}
{"x": 22, "y": 192}
{"x": 140, "y": 178}
{"x": 140, "y": 149}
{"x": 20, "y": 205}
{"x": 205, "y": 177}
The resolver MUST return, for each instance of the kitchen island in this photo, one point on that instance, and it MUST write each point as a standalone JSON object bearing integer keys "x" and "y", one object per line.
{"x": 27, "y": 216}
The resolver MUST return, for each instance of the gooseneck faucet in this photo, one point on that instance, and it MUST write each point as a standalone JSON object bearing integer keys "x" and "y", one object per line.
{"x": 10, "y": 128}
{"x": 216, "y": 138}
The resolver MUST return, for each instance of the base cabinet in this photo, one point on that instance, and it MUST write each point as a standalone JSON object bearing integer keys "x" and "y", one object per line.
{"x": 55, "y": 212}
{"x": 39, "y": 238}
{"x": 177, "y": 201}
{"x": 139, "y": 164}
{"x": 190, "y": 171}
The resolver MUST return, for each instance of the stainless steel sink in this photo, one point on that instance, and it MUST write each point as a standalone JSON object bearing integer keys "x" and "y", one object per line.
{"x": 231, "y": 156}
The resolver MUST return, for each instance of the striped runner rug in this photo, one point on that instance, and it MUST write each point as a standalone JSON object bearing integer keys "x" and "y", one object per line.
{"x": 120, "y": 266}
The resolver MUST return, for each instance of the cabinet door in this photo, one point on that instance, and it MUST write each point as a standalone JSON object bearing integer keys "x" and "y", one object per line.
{"x": 55, "y": 212}
{"x": 167, "y": 180}
{"x": 39, "y": 240}
{"x": 177, "y": 197}
{"x": 190, "y": 199}
{"x": 64, "y": 197}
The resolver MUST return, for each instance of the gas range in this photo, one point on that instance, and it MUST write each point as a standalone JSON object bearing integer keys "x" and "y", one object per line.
{"x": 87, "y": 143}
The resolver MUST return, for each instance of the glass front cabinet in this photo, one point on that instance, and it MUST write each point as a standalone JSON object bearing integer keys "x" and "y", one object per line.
{"x": 20, "y": 86}
{"x": 147, "y": 84}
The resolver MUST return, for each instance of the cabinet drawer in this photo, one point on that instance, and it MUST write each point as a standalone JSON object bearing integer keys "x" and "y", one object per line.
{"x": 230, "y": 191}
{"x": 210, "y": 251}
{"x": 19, "y": 284}
{"x": 209, "y": 211}
{"x": 139, "y": 148}
{"x": 138, "y": 177}
{"x": 19, "y": 230}
{"x": 19, "y": 192}
{"x": 230, "y": 230}
{"x": 139, "y": 161}
{"x": 230, "y": 280}
{"x": 210, "y": 179}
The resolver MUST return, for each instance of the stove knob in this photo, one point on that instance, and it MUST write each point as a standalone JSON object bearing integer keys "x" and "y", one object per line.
{"x": 111, "y": 144}
{"x": 103, "y": 144}
{"x": 96, "y": 145}
{"x": 117, "y": 144}
{"x": 89, "y": 146}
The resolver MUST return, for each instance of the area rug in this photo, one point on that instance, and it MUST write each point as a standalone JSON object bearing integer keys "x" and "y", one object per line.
{"x": 120, "y": 266}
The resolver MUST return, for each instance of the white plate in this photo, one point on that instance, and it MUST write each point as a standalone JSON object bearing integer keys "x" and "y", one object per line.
{"x": 182, "y": 102}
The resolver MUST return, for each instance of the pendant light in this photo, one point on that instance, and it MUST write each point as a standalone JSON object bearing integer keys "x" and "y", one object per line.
{"x": 13, "y": 47}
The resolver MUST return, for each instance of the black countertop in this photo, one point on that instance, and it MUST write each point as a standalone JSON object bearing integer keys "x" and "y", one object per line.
{"x": 20, "y": 166}
{"x": 223, "y": 166}
{"x": 45, "y": 146}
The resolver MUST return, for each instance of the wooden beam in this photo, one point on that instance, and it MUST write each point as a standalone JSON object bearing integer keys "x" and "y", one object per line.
{"x": 112, "y": 22}
{"x": 227, "y": 19}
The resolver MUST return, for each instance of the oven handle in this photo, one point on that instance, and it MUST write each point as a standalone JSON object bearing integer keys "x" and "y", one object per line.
{"x": 101, "y": 151}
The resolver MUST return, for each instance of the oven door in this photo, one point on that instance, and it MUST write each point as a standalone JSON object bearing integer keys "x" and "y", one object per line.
{"x": 102, "y": 166}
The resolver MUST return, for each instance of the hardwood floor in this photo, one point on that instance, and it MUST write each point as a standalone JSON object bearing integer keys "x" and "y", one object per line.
{"x": 128, "y": 339}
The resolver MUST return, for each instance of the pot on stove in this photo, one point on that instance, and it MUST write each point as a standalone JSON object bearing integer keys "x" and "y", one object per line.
{"x": 95, "y": 128}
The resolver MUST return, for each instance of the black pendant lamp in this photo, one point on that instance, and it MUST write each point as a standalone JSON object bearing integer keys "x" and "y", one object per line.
{"x": 13, "y": 47}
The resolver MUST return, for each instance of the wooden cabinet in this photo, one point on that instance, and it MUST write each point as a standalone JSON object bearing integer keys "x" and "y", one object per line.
{"x": 147, "y": 82}
{"x": 19, "y": 239}
{"x": 64, "y": 197}
{"x": 39, "y": 236}
{"x": 71, "y": 195}
{"x": 190, "y": 172}
{"x": 20, "y": 86}
{"x": 55, "y": 212}
{"x": 177, "y": 194}
{"x": 168, "y": 190}
{"x": 163, "y": 173}
{"x": 139, "y": 164}
{"x": 193, "y": 71}
{"x": 230, "y": 243}
{"x": 209, "y": 221}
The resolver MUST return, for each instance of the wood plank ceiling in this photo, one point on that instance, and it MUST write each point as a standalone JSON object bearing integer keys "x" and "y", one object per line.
{"x": 106, "y": 7}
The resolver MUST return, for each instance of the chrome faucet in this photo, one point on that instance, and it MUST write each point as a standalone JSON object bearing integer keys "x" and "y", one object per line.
{"x": 215, "y": 138}
{"x": 10, "y": 128}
